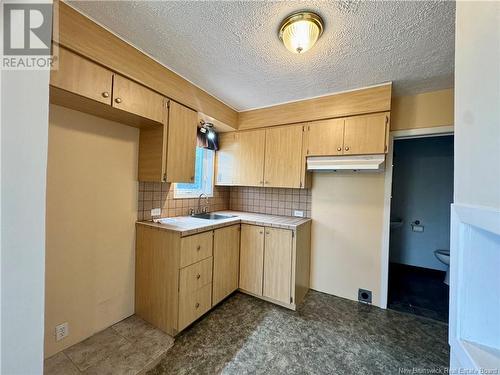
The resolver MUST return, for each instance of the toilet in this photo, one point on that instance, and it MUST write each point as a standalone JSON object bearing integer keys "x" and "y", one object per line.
{"x": 444, "y": 257}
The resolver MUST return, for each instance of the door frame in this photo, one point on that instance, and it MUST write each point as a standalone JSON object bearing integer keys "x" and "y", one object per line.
{"x": 397, "y": 135}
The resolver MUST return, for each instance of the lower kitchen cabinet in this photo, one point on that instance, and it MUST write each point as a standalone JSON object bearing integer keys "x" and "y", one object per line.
{"x": 278, "y": 264}
{"x": 274, "y": 263}
{"x": 252, "y": 259}
{"x": 173, "y": 277}
{"x": 178, "y": 279}
{"x": 226, "y": 262}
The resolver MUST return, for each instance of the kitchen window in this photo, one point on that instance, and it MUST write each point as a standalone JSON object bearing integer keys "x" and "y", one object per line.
{"x": 203, "y": 177}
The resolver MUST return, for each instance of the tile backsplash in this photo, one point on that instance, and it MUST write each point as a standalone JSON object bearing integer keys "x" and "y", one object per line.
{"x": 251, "y": 199}
{"x": 161, "y": 195}
{"x": 270, "y": 200}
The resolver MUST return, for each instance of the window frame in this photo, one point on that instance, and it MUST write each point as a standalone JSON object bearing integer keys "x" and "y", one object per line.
{"x": 207, "y": 182}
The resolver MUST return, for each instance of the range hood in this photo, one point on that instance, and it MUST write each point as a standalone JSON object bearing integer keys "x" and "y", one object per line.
{"x": 368, "y": 163}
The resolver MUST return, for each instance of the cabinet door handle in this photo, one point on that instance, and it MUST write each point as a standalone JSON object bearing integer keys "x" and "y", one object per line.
{"x": 260, "y": 232}
{"x": 105, "y": 94}
{"x": 266, "y": 182}
{"x": 118, "y": 100}
{"x": 198, "y": 276}
{"x": 198, "y": 247}
{"x": 267, "y": 232}
{"x": 192, "y": 178}
{"x": 197, "y": 305}
{"x": 339, "y": 148}
{"x": 347, "y": 148}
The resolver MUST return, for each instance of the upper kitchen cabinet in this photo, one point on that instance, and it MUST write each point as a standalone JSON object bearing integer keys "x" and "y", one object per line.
{"x": 227, "y": 159}
{"x": 283, "y": 157}
{"x": 181, "y": 150}
{"x": 366, "y": 134}
{"x": 324, "y": 138}
{"x": 168, "y": 153}
{"x": 81, "y": 84}
{"x": 251, "y": 157}
{"x": 357, "y": 135}
{"x": 266, "y": 157}
{"x": 83, "y": 77}
{"x": 134, "y": 98}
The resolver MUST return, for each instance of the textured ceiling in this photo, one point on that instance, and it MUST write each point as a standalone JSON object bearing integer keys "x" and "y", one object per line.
{"x": 231, "y": 48}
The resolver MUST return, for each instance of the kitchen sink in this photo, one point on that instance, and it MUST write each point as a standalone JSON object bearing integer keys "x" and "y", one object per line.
{"x": 210, "y": 216}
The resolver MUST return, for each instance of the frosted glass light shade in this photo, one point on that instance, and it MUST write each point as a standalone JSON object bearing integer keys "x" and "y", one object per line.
{"x": 300, "y": 31}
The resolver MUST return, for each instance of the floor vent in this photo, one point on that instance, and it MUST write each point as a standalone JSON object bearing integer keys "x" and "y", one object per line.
{"x": 365, "y": 296}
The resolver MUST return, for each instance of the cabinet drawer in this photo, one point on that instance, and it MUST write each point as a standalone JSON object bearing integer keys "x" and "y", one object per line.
{"x": 193, "y": 305}
{"x": 195, "y": 276}
{"x": 195, "y": 248}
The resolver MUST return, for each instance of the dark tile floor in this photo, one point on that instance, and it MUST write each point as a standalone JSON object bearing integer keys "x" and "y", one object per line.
{"x": 418, "y": 291}
{"x": 327, "y": 335}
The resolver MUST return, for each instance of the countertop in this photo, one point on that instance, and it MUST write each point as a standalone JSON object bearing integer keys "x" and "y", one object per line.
{"x": 187, "y": 225}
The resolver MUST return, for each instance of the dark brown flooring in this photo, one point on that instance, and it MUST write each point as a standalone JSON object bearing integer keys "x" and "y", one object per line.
{"x": 327, "y": 335}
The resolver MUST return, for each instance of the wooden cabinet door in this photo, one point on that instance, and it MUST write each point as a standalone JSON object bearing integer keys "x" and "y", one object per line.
{"x": 283, "y": 157}
{"x": 278, "y": 264}
{"x": 324, "y": 138}
{"x": 153, "y": 151}
{"x": 251, "y": 258}
{"x": 181, "y": 149}
{"x": 137, "y": 99}
{"x": 227, "y": 159}
{"x": 251, "y": 158}
{"x": 83, "y": 77}
{"x": 226, "y": 262}
{"x": 366, "y": 134}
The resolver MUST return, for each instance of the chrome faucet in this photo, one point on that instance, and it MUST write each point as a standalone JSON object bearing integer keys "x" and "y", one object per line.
{"x": 199, "y": 203}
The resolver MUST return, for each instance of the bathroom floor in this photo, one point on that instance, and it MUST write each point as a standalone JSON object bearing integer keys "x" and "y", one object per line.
{"x": 418, "y": 291}
{"x": 129, "y": 347}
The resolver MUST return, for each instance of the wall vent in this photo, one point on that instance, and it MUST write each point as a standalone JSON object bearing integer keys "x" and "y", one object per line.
{"x": 365, "y": 296}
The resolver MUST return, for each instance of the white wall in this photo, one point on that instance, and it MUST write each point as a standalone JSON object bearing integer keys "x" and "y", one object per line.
{"x": 475, "y": 249}
{"x": 24, "y": 121}
{"x": 422, "y": 189}
{"x": 477, "y": 104}
{"x": 346, "y": 235}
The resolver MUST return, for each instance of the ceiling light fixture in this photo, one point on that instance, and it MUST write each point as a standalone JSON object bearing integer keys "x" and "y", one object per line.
{"x": 300, "y": 31}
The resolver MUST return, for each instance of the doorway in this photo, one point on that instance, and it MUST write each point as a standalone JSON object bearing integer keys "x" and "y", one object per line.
{"x": 419, "y": 239}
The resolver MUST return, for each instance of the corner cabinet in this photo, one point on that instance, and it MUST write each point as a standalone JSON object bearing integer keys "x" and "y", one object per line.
{"x": 226, "y": 262}
{"x": 178, "y": 279}
{"x": 168, "y": 153}
{"x": 275, "y": 262}
{"x": 167, "y": 144}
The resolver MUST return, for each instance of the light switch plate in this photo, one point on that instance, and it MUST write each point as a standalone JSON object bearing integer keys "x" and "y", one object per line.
{"x": 298, "y": 213}
{"x": 156, "y": 212}
{"x": 417, "y": 228}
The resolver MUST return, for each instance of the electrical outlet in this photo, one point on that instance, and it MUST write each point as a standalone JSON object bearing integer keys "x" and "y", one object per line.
{"x": 62, "y": 330}
{"x": 298, "y": 213}
{"x": 156, "y": 212}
